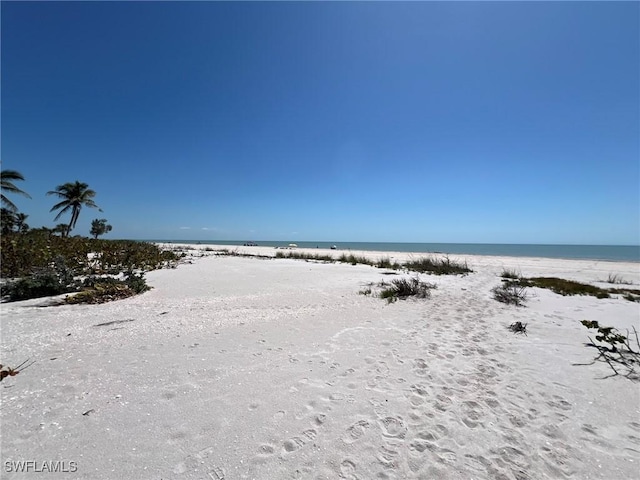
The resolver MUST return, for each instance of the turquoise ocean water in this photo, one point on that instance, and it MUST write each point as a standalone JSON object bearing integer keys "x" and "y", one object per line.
{"x": 614, "y": 253}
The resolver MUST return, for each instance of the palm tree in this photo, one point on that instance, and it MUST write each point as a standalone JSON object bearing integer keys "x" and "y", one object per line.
{"x": 100, "y": 227}
{"x": 74, "y": 196}
{"x": 7, "y": 177}
{"x": 21, "y": 222}
{"x": 61, "y": 228}
{"x": 7, "y": 220}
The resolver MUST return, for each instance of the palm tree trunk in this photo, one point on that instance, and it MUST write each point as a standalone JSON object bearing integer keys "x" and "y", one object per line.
{"x": 74, "y": 218}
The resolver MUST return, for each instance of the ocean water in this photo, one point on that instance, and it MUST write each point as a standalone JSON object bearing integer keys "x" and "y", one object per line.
{"x": 614, "y": 253}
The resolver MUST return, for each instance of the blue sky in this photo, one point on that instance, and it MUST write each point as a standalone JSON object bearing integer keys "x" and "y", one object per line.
{"x": 487, "y": 122}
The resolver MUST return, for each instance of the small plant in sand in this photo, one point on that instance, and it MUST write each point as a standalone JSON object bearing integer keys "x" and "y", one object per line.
{"x": 615, "y": 349}
{"x": 617, "y": 279}
{"x": 354, "y": 260}
{"x": 404, "y": 288}
{"x": 385, "y": 262}
{"x": 511, "y": 293}
{"x": 12, "y": 372}
{"x": 518, "y": 327}
{"x": 366, "y": 291}
{"x": 511, "y": 274}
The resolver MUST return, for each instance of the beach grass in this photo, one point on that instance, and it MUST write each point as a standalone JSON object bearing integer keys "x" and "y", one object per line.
{"x": 403, "y": 288}
{"x": 510, "y": 273}
{"x": 438, "y": 266}
{"x": 511, "y": 293}
{"x": 564, "y": 287}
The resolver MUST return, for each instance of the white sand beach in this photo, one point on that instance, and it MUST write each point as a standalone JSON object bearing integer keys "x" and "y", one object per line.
{"x": 247, "y": 368}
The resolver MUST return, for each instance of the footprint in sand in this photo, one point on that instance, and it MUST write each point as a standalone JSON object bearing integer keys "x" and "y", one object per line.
{"x": 296, "y": 443}
{"x": 388, "y": 456}
{"x": 393, "y": 427}
{"x": 356, "y": 431}
{"x": 320, "y": 419}
{"x": 293, "y": 444}
{"x": 420, "y": 367}
{"x": 420, "y": 446}
{"x": 266, "y": 450}
{"x": 348, "y": 469}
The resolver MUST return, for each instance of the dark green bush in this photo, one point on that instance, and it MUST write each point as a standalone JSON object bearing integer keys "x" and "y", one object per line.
{"x": 106, "y": 289}
{"x": 53, "y": 280}
{"x": 48, "y": 263}
{"x": 42, "y": 284}
{"x": 23, "y": 254}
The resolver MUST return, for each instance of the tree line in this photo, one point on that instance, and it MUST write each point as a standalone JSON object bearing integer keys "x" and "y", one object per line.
{"x": 72, "y": 195}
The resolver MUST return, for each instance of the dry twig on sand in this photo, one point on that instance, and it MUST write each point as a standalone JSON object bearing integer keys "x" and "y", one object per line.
{"x": 615, "y": 349}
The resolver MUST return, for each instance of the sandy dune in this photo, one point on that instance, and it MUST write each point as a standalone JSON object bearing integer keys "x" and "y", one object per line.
{"x": 239, "y": 368}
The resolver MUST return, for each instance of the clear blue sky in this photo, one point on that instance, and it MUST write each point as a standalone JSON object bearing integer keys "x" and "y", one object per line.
{"x": 505, "y": 122}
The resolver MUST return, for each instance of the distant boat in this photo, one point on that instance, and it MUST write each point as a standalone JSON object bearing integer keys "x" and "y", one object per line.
{"x": 293, "y": 245}
{"x": 333, "y": 247}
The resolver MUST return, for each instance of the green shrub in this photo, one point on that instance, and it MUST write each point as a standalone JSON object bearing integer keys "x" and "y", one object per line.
{"x": 107, "y": 289}
{"x": 52, "y": 280}
{"x": 49, "y": 263}
{"x": 41, "y": 284}
{"x": 23, "y": 254}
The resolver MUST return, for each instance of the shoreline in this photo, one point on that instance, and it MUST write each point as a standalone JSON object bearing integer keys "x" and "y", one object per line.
{"x": 614, "y": 253}
{"x": 528, "y": 266}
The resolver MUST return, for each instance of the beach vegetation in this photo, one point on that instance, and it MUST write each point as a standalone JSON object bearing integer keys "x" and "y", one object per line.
{"x": 564, "y": 287}
{"x": 385, "y": 262}
{"x": 303, "y": 256}
{"x": 107, "y": 289}
{"x": 54, "y": 279}
{"x": 6, "y": 371}
{"x": 366, "y": 291}
{"x": 354, "y": 260}
{"x": 403, "y": 288}
{"x": 571, "y": 287}
{"x": 74, "y": 196}
{"x": 510, "y": 273}
{"x": 617, "y": 279}
{"x": 438, "y": 266}
{"x": 99, "y": 227}
{"x": 442, "y": 266}
{"x": 25, "y": 254}
{"x": 518, "y": 327}
{"x": 41, "y": 264}
{"x": 13, "y": 221}
{"x": 615, "y": 349}
{"x": 511, "y": 293}
{"x": 7, "y": 179}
